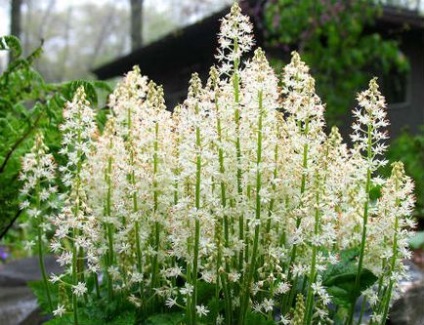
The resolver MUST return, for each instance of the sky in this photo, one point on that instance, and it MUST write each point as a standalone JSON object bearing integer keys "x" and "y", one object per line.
{"x": 4, "y": 8}
{"x": 61, "y": 4}
{"x": 4, "y": 21}
{"x": 159, "y": 7}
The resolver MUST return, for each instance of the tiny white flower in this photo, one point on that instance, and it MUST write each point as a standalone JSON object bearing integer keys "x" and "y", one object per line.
{"x": 234, "y": 276}
{"x": 80, "y": 289}
{"x": 54, "y": 278}
{"x": 134, "y": 300}
{"x": 171, "y": 302}
{"x": 59, "y": 311}
{"x": 24, "y": 205}
{"x": 28, "y": 245}
{"x": 187, "y": 290}
{"x": 283, "y": 287}
{"x": 55, "y": 246}
{"x": 268, "y": 305}
{"x": 202, "y": 310}
{"x": 220, "y": 319}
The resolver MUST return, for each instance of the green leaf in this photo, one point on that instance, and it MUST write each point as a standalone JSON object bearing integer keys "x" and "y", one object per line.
{"x": 417, "y": 241}
{"x": 5, "y": 106}
{"x": 205, "y": 291}
{"x": 89, "y": 89}
{"x": 35, "y": 54}
{"x": 342, "y": 286}
{"x": 375, "y": 193}
{"x": 253, "y": 318}
{"x": 124, "y": 319}
{"x": 165, "y": 319}
{"x": 39, "y": 291}
{"x": 66, "y": 319}
{"x": 103, "y": 85}
{"x": 12, "y": 43}
{"x": 339, "y": 279}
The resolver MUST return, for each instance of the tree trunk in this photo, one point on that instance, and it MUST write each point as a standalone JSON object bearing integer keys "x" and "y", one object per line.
{"x": 136, "y": 23}
{"x": 15, "y": 20}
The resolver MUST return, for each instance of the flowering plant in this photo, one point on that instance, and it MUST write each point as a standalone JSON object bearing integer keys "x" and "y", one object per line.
{"x": 236, "y": 208}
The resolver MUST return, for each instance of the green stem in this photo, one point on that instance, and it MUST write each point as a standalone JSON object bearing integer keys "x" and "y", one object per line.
{"x": 110, "y": 260}
{"x": 217, "y": 239}
{"x": 361, "y": 314}
{"x": 132, "y": 181}
{"x": 75, "y": 281}
{"x": 236, "y": 87}
{"x": 290, "y": 297}
{"x": 40, "y": 220}
{"x": 109, "y": 226}
{"x": 313, "y": 272}
{"x": 135, "y": 210}
{"x": 197, "y": 225}
{"x": 225, "y": 222}
{"x": 156, "y": 245}
{"x": 364, "y": 225}
{"x": 239, "y": 180}
{"x": 42, "y": 265}
{"x": 96, "y": 283}
{"x": 387, "y": 298}
{"x": 252, "y": 265}
{"x": 274, "y": 189}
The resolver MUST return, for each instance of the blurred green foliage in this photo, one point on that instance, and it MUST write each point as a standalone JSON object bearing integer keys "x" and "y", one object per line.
{"x": 409, "y": 149}
{"x": 28, "y": 103}
{"x": 336, "y": 39}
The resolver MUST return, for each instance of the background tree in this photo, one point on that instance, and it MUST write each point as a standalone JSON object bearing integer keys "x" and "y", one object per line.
{"x": 75, "y": 43}
{"x": 331, "y": 37}
{"x": 136, "y": 23}
{"x": 72, "y": 45}
{"x": 28, "y": 103}
{"x": 15, "y": 20}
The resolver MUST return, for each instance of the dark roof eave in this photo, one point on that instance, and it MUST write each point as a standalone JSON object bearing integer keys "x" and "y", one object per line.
{"x": 204, "y": 32}
{"x": 398, "y": 16}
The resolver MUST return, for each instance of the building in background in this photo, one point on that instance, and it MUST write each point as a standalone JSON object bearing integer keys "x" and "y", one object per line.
{"x": 171, "y": 60}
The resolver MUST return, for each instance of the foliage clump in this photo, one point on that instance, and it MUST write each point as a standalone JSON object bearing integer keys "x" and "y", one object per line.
{"x": 410, "y": 149}
{"x": 336, "y": 39}
{"x": 226, "y": 211}
{"x": 28, "y": 103}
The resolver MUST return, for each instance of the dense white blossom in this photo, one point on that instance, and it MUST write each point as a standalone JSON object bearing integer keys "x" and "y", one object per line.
{"x": 240, "y": 189}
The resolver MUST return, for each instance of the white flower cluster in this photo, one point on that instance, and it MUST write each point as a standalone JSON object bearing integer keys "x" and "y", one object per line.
{"x": 235, "y": 39}
{"x": 229, "y": 192}
{"x": 39, "y": 192}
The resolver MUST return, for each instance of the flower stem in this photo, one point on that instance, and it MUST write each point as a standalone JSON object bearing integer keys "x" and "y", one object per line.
{"x": 157, "y": 226}
{"x": 75, "y": 281}
{"x": 364, "y": 224}
{"x": 40, "y": 220}
{"x": 313, "y": 271}
{"x": 109, "y": 226}
{"x": 236, "y": 88}
{"x": 225, "y": 226}
{"x": 197, "y": 225}
{"x": 42, "y": 265}
{"x": 291, "y": 296}
{"x": 258, "y": 207}
{"x": 387, "y": 296}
